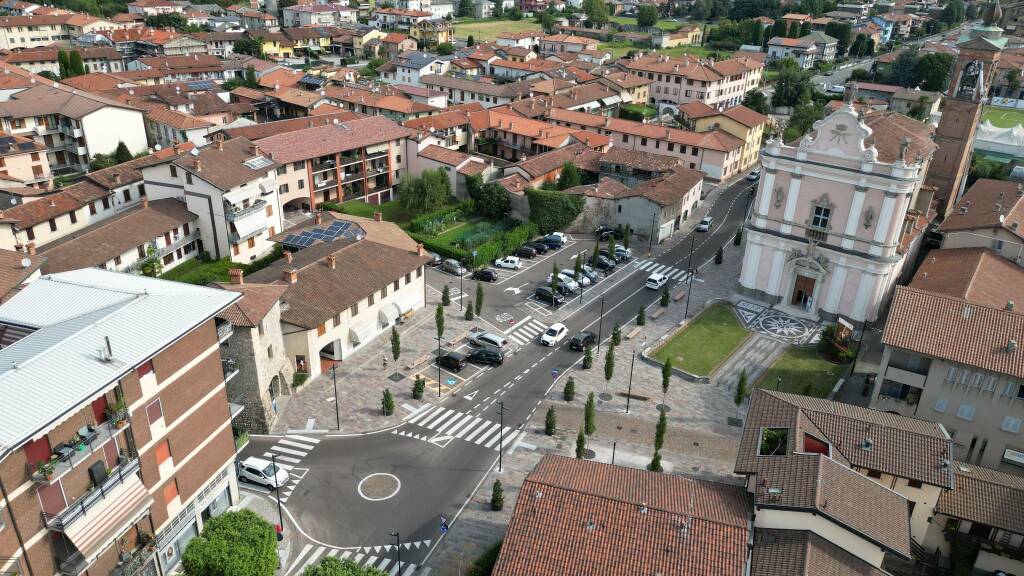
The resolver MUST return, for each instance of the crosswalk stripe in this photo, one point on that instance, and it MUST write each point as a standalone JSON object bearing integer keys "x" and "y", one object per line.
{"x": 333, "y": 552}
{"x": 394, "y": 570}
{"x": 464, "y": 428}
{"x": 658, "y": 269}
{"x": 433, "y": 425}
{"x": 490, "y": 430}
{"x": 457, "y": 422}
{"x": 479, "y": 429}
{"x": 435, "y": 418}
{"x": 300, "y": 555}
{"x": 516, "y": 340}
{"x": 384, "y": 562}
{"x": 408, "y": 571}
{"x": 303, "y": 438}
{"x": 431, "y": 410}
{"x": 316, "y": 556}
{"x": 647, "y": 264}
{"x": 346, "y": 554}
{"x": 503, "y": 436}
{"x": 357, "y": 558}
{"x": 284, "y": 466}
{"x": 369, "y": 561}
{"x": 288, "y": 459}
{"x": 295, "y": 444}
{"x": 677, "y": 274}
{"x": 288, "y": 451}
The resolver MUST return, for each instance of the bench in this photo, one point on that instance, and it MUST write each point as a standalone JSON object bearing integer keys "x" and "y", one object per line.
{"x": 457, "y": 339}
{"x": 632, "y": 333}
{"x": 418, "y": 361}
{"x": 679, "y": 295}
{"x": 657, "y": 313}
{"x": 639, "y": 397}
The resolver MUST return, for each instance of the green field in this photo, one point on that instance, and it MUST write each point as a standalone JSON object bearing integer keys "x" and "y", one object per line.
{"x": 620, "y": 49}
{"x": 800, "y": 368}
{"x": 706, "y": 342}
{"x": 482, "y": 30}
{"x": 669, "y": 25}
{"x": 1003, "y": 117}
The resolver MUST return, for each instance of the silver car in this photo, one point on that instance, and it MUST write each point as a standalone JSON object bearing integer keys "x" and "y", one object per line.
{"x": 705, "y": 224}
{"x": 453, "y": 266}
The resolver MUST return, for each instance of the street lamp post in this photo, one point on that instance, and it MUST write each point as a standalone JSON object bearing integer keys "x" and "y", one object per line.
{"x": 462, "y": 295}
{"x": 582, "y": 255}
{"x": 501, "y": 431}
{"x": 398, "y": 549}
{"x": 438, "y": 366}
{"x": 600, "y": 326}
{"x": 280, "y": 515}
{"x": 690, "y": 273}
{"x": 629, "y": 392}
{"x": 334, "y": 379}
{"x": 654, "y": 225}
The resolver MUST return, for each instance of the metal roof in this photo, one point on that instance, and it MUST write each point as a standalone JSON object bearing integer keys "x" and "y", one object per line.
{"x": 51, "y": 372}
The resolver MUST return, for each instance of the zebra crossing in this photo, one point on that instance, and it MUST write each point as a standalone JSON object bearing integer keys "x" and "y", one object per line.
{"x": 526, "y": 332}
{"x": 383, "y": 558}
{"x": 446, "y": 425}
{"x": 289, "y": 452}
{"x": 671, "y": 272}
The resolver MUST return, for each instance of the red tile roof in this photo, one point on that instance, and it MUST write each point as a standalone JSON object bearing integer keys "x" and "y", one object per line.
{"x": 986, "y": 497}
{"x": 714, "y": 139}
{"x": 976, "y": 274}
{"x": 333, "y": 138}
{"x": 989, "y": 204}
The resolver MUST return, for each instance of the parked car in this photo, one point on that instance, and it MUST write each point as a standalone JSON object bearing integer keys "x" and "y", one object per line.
{"x": 656, "y": 281}
{"x": 559, "y": 235}
{"x": 540, "y": 247}
{"x": 605, "y": 263}
{"x": 453, "y": 361}
{"x": 590, "y": 273}
{"x": 613, "y": 256}
{"x": 486, "y": 356}
{"x": 604, "y": 232}
{"x": 567, "y": 280}
{"x": 706, "y": 224}
{"x": 754, "y": 175}
{"x": 485, "y": 274}
{"x": 554, "y": 242}
{"x": 453, "y": 266}
{"x": 582, "y": 279}
{"x": 488, "y": 339}
{"x": 546, "y": 294}
{"x": 260, "y": 471}
{"x": 435, "y": 258}
{"x": 526, "y": 252}
{"x": 580, "y": 341}
{"x": 509, "y": 263}
{"x": 554, "y": 334}
{"x": 562, "y": 288}
{"x": 626, "y": 253}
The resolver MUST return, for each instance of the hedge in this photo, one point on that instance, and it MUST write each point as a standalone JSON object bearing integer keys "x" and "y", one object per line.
{"x": 502, "y": 244}
{"x": 552, "y": 211}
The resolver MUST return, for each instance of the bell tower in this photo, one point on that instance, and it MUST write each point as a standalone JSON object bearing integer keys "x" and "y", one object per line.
{"x": 969, "y": 83}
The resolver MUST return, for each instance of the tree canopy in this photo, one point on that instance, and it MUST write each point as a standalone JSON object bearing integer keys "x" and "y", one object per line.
{"x": 426, "y": 192}
{"x": 331, "y": 566}
{"x": 233, "y": 544}
{"x": 489, "y": 199}
{"x": 552, "y": 211}
{"x": 756, "y": 100}
{"x": 793, "y": 86}
{"x": 647, "y": 15}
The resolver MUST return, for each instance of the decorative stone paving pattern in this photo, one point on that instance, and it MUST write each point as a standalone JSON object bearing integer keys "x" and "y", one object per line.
{"x": 776, "y": 324}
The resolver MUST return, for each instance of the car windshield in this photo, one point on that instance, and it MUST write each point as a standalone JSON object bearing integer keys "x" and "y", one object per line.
{"x": 706, "y": 220}
{"x": 551, "y": 332}
{"x": 270, "y": 471}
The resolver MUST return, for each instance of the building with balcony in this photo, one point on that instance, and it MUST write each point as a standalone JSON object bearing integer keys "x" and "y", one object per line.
{"x": 952, "y": 354}
{"x": 114, "y": 465}
{"x": 685, "y": 79}
{"x": 839, "y": 215}
{"x": 347, "y": 280}
{"x": 397, "y": 18}
{"x": 166, "y": 127}
{"x": 742, "y": 122}
{"x": 74, "y": 126}
{"x": 989, "y": 215}
{"x": 23, "y": 162}
{"x": 37, "y": 60}
{"x": 360, "y": 159}
{"x": 162, "y": 231}
{"x": 232, "y": 186}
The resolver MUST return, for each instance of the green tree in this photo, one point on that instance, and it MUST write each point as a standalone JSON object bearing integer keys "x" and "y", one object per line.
{"x": 594, "y": 255}
{"x": 470, "y": 41}
{"x": 756, "y": 101}
{"x": 616, "y": 334}
{"x": 250, "y": 46}
{"x": 387, "y": 403}
{"x": 858, "y": 47}
{"x": 466, "y": 9}
{"x": 569, "y": 177}
{"x": 498, "y": 10}
{"x": 445, "y": 49}
{"x": 63, "y": 64}
{"x": 794, "y": 30}
{"x": 803, "y": 118}
{"x": 920, "y": 108}
{"x": 841, "y": 31}
{"x": 546, "y": 20}
{"x": 554, "y": 277}
{"x": 581, "y": 445}
{"x": 641, "y": 316}
{"x": 49, "y": 75}
{"x": 479, "y": 298}
{"x": 805, "y": 29}
{"x": 419, "y": 384}
{"x": 489, "y": 199}
{"x": 588, "y": 358}
{"x": 1012, "y": 81}
{"x": 446, "y": 295}
{"x": 982, "y": 167}
{"x": 933, "y": 71}
{"x": 793, "y": 85}
{"x": 497, "y": 496}
{"x": 577, "y": 267}
{"x": 122, "y": 154}
{"x": 860, "y": 75}
{"x": 550, "y": 421}
{"x": 655, "y": 465}
{"x": 597, "y": 13}
{"x": 425, "y": 193}
{"x": 237, "y": 543}
{"x": 903, "y": 71}
{"x": 666, "y": 378}
{"x": 609, "y": 363}
{"x": 659, "y": 432}
{"x": 552, "y": 211}
{"x": 569, "y": 390}
{"x": 469, "y": 311}
{"x": 151, "y": 266}
{"x": 665, "y": 298}
{"x": 779, "y": 29}
{"x": 589, "y": 426}
{"x": 954, "y": 12}
{"x": 76, "y": 65}
{"x": 737, "y": 238}
{"x": 719, "y": 255}
{"x": 746, "y": 9}
{"x": 332, "y": 566}
{"x": 396, "y": 345}
{"x": 647, "y": 15}
{"x": 741, "y": 388}
{"x": 626, "y": 233}
{"x": 439, "y": 320}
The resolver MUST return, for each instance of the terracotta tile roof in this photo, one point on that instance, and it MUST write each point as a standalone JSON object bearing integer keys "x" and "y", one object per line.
{"x": 547, "y": 162}
{"x": 109, "y": 238}
{"x": 296, "y": 97}
{"x": 257, "y": 301}
{"x": 41, "y": 100}
{"x": 380, "y": 100}
{"x": 790, "y": 42}
{"x": 267, "y": 129}
{"x": 985, "y": 496}
{"x": 514, "y": 184}
{"x": 440, "y": 122}
{"x": 510, "y": 90}
{"x": 224, "y": 166}
{"x": 956, "y": 330}
{"x": 50, "y": 54}
{"x": 577, "y": 516}
{"x": 976, "y": 274}
{"x": 640, "y": 160}
{"x": 12, "y": 145}
{"x": 901, "y": 446}
{"x": 131, "y": 171}
{"x": 333, "y": 138}
{"x": 627, "y": 80}
{"x": 803, "y": 553}
{"x": 714, "y": 139}
{"x": 697, "y": 109}
{"x": 443, "y": 155}
{"x": 282, "y": 77}
{"x": 176, "y": 120}
{"x": 13, "y": 273}
{"x": 606, "y": 188}
{"x": 70, "y": 198}
{"x": 96, "y": 82}
{"x": 876, "y": 87}
{"x": 989, "y": 204}
{"x": 670, "y": 189}
{"x": 569, "y": 39}
{"x": 529, "y": 66}
{"x": 190, "y": 63}
{"x": 472, "y": 168}
{"x": 888, "y": 130}
{"x": 746, "y": 116}
{"x": 692, "y": 67}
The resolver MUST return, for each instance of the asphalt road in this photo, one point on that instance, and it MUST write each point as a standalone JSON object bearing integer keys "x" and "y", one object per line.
{"x": 441, "y": 468}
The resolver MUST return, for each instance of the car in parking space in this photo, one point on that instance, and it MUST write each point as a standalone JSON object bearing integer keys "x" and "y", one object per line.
{"x": 488, "y": 339}
{"x": 509, "y": 263}
{"x": 560, "y": 235}
{"x": 554, "y": 241}
{"x": 613, "y": 256}
{"x": 540, "y": 247}
{"x": 435, "y": 258}
{"x": 604, "y": 232}
{"x": 260, "y": 471}
{"x": 656, "y": 281}
{"x": 562, "y": 288}
{"x": 526, "y": 252}
{"x": 567, "y": 280}
{"x": 485, "y": 274}
{"x": 487, "y": 356}
{"x": 626, "y": 253}
{"x": 453, "y": 361}
{"x": 546, "y": 294}
{"x": 453, "y": 266}
{"x": 590, "y": 273}
{"x": 705, "y": 224}
{"x": 554, "y": 334}
{"x": 582, "y": 279}
{"x": 580, "y": 341}
{"x": 754, "y": 175}
{"x": 605, "y": 263}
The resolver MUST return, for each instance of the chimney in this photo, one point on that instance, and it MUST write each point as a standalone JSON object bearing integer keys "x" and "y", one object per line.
{"x": 145, "y": 202}
{"x": 220, "y": 144}
{"x": 31, "y": 248}
{"x": 419, "y": 249}
{"x": 378, "y": 216}
{"x": 318, "y": 219}
{"x": 332, "y": 261}
{"x": 254, "y": 149}
{"x": 291, "y": 275}
{"x": 1009, "y": 305}
{"x": 117, "y": 177}
{"x": 236, "y": 275}
{"x": 199, "y": 164}
{"x": 288, "y": 257}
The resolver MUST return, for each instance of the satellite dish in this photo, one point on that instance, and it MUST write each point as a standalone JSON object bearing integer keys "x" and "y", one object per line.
{"x": 194, "y": 152}
{"x": 1002, "y": 218}
{"x": 26, "y": 262}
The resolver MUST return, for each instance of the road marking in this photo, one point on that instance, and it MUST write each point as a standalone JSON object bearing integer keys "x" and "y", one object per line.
{"x": 303, "y": 438}
{"x": 490, "y": 430}
{"x": 444, "y": 415}
{"x": 459, "y": 418}
{"x": 287, "y": 459}
{"x": 298, "y": 558}
{"x": 289, "y": 451}
{"x": 501, "y": 436}
{"x": 461, "y": 422}
{"x": 465, "y": 429}
{"x": 295, "y": 444}
{"x": 471, "y": 395}
{"x": 477, "y": 431}
{"x": 431, "y": 409}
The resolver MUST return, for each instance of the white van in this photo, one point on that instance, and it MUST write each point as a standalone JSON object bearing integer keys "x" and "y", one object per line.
{"x": 656, "y": 281}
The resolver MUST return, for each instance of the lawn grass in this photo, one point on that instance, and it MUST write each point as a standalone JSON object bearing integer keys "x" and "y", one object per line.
{"x": 800, "y": 367}
{"x": 706, "y": 342}
{"x": 669, "y": 25}
{"x": 1003, "y": 117}
{"x": 619, "y": 49}
{"x": 392, "y": 211}
{"x": 197, "y": 272}
{"x": 483, "y": 30}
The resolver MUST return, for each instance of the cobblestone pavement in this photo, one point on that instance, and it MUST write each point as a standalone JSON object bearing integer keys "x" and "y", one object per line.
{"x": 363, "y": 378}
{"x": 755, "y": 355}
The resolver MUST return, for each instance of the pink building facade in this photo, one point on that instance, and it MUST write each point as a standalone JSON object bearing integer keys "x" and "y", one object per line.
{"x": 838, "y": 215}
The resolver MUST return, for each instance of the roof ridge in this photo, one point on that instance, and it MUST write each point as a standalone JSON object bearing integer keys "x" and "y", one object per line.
{"x": 956, "y": 299}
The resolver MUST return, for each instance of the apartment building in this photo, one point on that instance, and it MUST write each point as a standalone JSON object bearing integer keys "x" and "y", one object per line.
{"x": 740, "y": 121}
{"x": 154, "y": 7}
{"x": 806, "y": 51}
{"x": 35, "y": 30}
{"x": 432, "y": 32}
{"x": 512, "y": 137}
{"x": 397, "y": 18}
{"x": 23, "y": 162}
{"x": 452, "y": 129}
{"x": 408, "y": 67}
{"x": 481, "y": 91}
{"x": 332, "y": 312}
{"x": 73, "y": 126}
{"x": 380, "y": 102}
{"x": 220, "y": 44}
{"x": 165, "y": 127}
{"x": 716, "y": 153}
{"x": 360, "y": 159}
{"x": 990, "y": 214}
{"x": 566, "y": 44}
{"x": 318, "y": 15}
{"x": 122, "y": 460}
{"x": 143, "y": 41}
{"x": 685, "y": 79}
{"x": 632, "y": 88}
{"x": 39, "y": 60}
{"x": 232, "y": 186}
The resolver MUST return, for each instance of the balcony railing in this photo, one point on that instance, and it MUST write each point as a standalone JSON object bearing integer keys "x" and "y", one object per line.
{"x": 179, "y": 241}
{"x": 321, "y": 184}
{"x": 233, "y": 214}
{"x": 987, "y": 544}
{"x": 224, "y": 330}
{"x": 353, "y": 176}
{"x": 235, "y": 238}
{"x": 135, "y": 562}
{"x": 68, "y": 455}
{"x": 816, "y": 234}
{"x": 230, "y": 368}
{"x": 61, "y": 522}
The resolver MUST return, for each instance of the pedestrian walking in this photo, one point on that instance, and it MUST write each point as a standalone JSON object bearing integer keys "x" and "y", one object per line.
{"x": 385, "y": 361}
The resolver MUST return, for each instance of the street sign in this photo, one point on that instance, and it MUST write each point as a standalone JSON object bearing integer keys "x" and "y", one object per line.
{"x": 444, "y": 525}
{"x": 554, "y": 372}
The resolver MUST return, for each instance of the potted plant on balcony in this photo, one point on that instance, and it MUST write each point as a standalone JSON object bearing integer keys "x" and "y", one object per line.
{"x": 45, "y": 468}
{"x": 118, "y": 413}
{"x": 146, "y": 541}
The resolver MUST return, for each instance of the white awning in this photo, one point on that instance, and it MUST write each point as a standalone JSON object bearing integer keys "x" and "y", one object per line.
{"x": 408, "y": 302}
{"x": 252, "y": 223}
{"x": 362, "y": 333}
{"x": 388, "y": 314}
{"x": 122, "y": 506}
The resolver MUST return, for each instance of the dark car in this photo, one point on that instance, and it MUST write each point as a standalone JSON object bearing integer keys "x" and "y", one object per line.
{"x": 604, "y": 232}
{"x": 580, "y": 341}
{"x": 526, "y": 252}
{"x": 540, "y": 247}
{"x": 614, "y": 256}
{"x": 453, "y": 361}
{"x": 604, "y": 263}
{"x": 553, "y": 242}
{"x": 562, "y": 289}
{"x": 487, "y": 356}
{"x": 545, "y": 294}
{"x": 487, "y": 275}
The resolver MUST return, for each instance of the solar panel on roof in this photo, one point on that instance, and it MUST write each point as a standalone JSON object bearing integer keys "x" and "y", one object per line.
{"x": 258, "y": 162}
{"x": 200, "y": 85}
